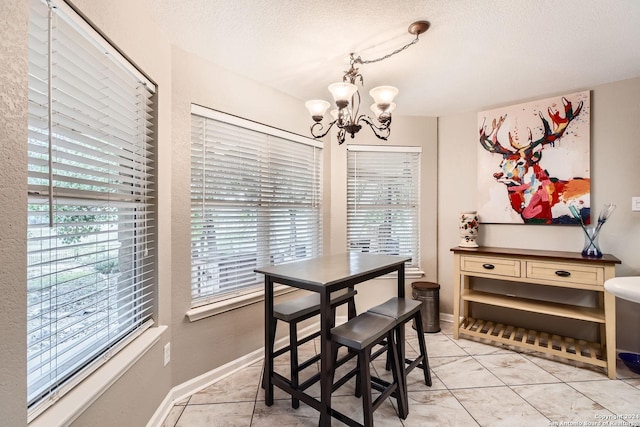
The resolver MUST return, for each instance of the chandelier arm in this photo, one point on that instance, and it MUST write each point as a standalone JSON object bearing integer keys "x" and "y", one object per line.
{"x": 382, "y": 132}
{"x": 320, "y": 128}
{"x": 355, "y": 109}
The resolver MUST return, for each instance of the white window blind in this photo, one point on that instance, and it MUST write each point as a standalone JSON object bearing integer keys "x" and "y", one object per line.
{"x": 383, "y": 200}
{"x": 91, "y": 204}
{"x": 256, "y": 197}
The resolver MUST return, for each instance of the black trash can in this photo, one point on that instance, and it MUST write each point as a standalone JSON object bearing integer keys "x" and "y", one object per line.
{"x": 429, "y": 294}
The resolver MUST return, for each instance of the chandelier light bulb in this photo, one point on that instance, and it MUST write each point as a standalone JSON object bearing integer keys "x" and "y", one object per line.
{"x": 378, "y": 112}
{"x": 342, "y": 93}
{"x": 383, "y": 96}
{"x": 317, "y": 108}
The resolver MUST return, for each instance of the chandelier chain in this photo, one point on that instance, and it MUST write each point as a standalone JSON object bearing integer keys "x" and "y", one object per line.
{"x": 359, "y": 60}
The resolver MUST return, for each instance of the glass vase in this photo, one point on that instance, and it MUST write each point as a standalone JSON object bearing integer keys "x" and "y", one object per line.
{"x": 591, "y": 245}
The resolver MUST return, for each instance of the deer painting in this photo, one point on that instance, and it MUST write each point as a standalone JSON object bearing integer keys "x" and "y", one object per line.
{"x": 533, "y": 192}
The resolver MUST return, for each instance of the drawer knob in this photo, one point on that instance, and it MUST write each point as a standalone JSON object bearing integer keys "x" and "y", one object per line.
{"x": 563, "y": 273}
{"x": 488, "y": 266}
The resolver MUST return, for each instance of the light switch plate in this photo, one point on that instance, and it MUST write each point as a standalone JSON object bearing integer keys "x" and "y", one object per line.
{"x": 635, "y": 204}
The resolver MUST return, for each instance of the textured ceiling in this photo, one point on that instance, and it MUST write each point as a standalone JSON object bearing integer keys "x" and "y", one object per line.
{"x": 477, "y": 53}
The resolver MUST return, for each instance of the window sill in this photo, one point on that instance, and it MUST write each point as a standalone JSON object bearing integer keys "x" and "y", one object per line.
{"x": 70, "y": 406}
{"x": 218, "y": 307}
{"x": 408, "y": 274}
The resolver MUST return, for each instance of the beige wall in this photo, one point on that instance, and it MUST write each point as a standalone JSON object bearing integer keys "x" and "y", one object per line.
{"x": 615, "y": 174}
{"x": 13, "y": 214}
{"x": 448, "y": 180}
{"x": 206, "y": 344}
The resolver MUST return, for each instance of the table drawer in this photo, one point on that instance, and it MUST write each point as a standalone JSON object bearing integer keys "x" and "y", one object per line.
{"x": 565, "y": 273}
{"x": 491, "y": 265}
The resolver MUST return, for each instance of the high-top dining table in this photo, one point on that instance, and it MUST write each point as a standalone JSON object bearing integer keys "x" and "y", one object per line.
{"x": 323, "y": 274}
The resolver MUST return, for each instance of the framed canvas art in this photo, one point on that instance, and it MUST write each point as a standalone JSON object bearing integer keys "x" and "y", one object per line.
{"x": 533, "y": 161}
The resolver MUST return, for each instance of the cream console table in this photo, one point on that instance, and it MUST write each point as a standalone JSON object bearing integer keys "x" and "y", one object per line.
{"x": 548, "y": 268}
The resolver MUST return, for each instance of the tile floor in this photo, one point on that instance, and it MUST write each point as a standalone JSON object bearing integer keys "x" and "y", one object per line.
{"x": 474, "y": 384}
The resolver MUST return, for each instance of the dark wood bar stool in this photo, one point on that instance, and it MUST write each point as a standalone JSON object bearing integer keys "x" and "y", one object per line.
{"x": 403, "y": 311}
{"x": 360, "y": 335}
{"x": 296, "y": 311}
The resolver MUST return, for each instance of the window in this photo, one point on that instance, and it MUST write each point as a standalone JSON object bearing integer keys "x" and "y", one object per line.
{"x": 256, "y": 195}
{"x": 383, "y": 199}
{"x": 91, "y": 221}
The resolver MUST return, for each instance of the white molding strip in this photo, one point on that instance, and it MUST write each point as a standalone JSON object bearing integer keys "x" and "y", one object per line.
{"x": 97, "y": 39}
{"x": 409, "y": 273}
{"x": 249, "y": 124}
{"x": 384, "y": 148}
{"x": 446, "y": 317}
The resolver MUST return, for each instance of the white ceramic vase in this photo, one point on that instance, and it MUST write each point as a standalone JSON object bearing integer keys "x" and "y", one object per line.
{"x": 468, "y": 229}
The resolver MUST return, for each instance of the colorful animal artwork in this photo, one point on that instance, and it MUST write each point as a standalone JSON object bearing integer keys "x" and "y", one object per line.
{"x": 543, "y": 169}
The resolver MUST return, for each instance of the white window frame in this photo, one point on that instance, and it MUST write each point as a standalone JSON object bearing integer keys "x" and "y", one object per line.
{"x": 263, "y": 140}
{"x": 357, "y": 233}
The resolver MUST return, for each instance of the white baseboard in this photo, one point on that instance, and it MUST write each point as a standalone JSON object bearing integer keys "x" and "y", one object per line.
{"x": 203, "y": 381}
{"x": 446, "y": 317}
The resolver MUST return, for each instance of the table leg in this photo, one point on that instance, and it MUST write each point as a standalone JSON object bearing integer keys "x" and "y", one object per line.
{"x": 326, "y": 362}
{"x": 268, "y": 341}
{"x": 610, "y": 333}
{"x": 401, "y": 341}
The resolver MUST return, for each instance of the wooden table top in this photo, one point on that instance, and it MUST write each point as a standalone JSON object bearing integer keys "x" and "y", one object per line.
{"x": 326, "y": 270}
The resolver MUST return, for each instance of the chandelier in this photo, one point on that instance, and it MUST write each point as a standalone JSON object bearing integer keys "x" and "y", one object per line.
{"x": 347, "y": 117}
